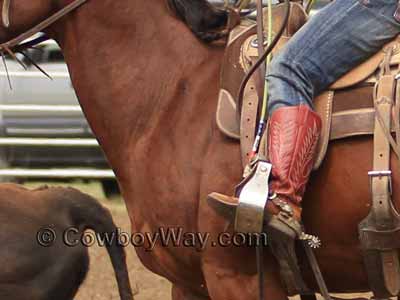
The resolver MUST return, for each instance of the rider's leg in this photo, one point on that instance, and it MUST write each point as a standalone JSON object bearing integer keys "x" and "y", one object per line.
{"x": 338, "y": 38}
{"x": 341, "y": 36}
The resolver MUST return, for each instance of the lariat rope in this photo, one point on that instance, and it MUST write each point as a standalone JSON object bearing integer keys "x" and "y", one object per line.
{"x": 263, "y": 115}
{"x": 309, "y": 6}
{"x": 268, "y": 61}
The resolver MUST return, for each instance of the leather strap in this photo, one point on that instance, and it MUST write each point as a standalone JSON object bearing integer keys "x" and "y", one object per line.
{"x": 317, "y": 271}
{"x": 381, "y": 192}
{"x": 380, "y": 185}
{"x": 248, "y": 121}
{"x": 324, "y": 105}
{"x": 42, "y": 25}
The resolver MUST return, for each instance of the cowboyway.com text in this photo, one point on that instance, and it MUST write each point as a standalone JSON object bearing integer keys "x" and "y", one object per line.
{"x": 165, "y": 237}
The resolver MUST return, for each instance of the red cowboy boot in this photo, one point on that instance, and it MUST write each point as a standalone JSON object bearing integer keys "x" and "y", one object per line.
{"x": 292, "y": 141}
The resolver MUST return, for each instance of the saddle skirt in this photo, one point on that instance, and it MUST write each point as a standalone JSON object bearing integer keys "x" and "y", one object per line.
{"x": 340, "y": 116}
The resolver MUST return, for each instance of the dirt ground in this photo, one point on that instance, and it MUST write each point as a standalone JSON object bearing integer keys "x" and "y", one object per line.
{"x": 100, "y": 283}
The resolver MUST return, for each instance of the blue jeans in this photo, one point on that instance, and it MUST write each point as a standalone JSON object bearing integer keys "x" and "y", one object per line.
{"x": 338, "y": 38}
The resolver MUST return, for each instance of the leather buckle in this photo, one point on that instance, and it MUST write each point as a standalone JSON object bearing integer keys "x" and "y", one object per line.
{"x": 380, "y": 174}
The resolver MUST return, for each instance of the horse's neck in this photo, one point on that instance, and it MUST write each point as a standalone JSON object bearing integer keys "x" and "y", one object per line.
{"x": 136, "y": 69}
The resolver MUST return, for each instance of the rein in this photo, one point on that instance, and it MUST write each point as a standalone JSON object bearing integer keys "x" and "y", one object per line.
{"x": 34, "y": 30}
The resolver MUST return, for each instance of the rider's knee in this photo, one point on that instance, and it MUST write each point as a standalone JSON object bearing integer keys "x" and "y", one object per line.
{"x": 288, "y": 82}
{"x": 284, "y": 65}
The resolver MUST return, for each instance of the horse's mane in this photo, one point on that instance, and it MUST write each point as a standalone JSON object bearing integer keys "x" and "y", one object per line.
{"x": 205, "y": 20}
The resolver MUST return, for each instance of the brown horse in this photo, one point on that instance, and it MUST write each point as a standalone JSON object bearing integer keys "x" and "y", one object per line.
{"x": 148, "y": 87}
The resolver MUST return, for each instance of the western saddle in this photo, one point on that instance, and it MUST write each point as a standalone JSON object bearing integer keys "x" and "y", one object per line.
{"x": 341, "y": 117}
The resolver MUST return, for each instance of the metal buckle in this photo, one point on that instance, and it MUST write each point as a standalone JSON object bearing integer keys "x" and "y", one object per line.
{"x": 380, "y": 174}
{"x": 253, "y": 198}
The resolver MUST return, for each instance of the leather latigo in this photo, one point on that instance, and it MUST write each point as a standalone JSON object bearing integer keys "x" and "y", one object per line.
{"x": 292, "y": 143}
